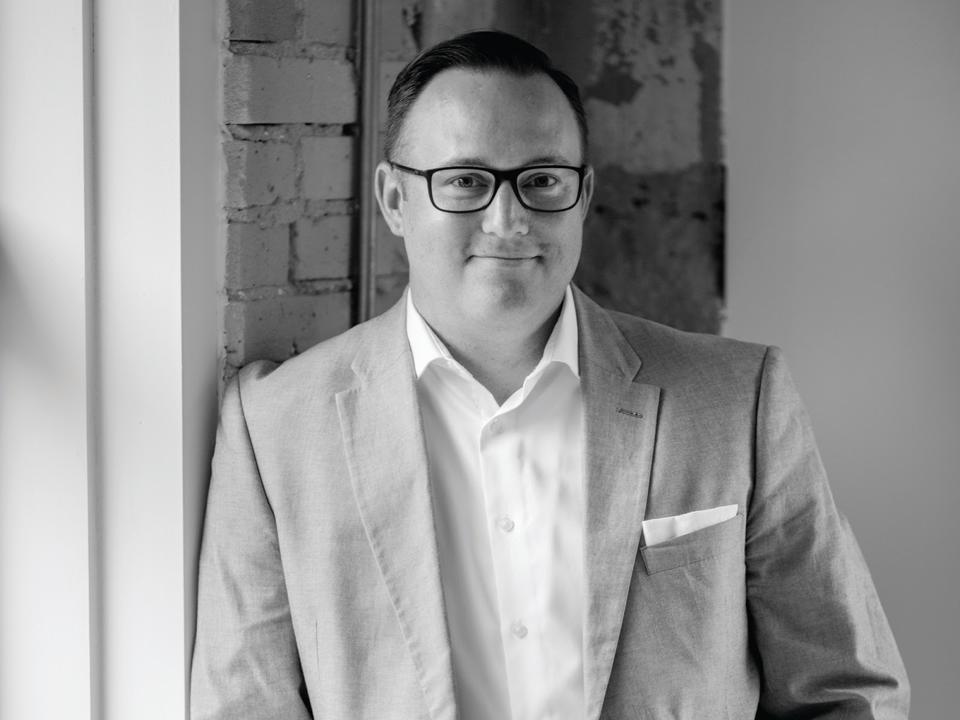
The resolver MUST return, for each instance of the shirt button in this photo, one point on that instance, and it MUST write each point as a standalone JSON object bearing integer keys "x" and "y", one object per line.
{"x": 518, "y": 629}
{"x": 505, "y": 524}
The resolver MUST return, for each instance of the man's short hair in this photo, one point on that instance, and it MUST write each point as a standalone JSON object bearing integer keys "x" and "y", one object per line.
{"x": 478, "y": 50}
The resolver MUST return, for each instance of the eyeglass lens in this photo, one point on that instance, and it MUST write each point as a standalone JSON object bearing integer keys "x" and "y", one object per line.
{"x": 549, "y": 189}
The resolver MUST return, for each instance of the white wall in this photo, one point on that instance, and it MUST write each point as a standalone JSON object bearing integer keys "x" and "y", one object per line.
{"x": 44, "y": 607}
{"x": 843, "y": 247}
{"x": 158, "y": 240}
{"x": 109, "y": 280}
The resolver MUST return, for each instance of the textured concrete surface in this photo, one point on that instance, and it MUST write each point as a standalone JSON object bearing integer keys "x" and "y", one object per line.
{"x": 328, "y": 22}
{"x": 654, "y": 242}
{"x": 262, "y": 20}
{"x": 328, "y": 164}
{"x": 279, "y": 327}
{"x": 259, "y": 173}
{"x": 653, "y": 245}
{"x": 323, "y": 247}
{"x": 257, "y": 256}
{"x": 264, "y": 89}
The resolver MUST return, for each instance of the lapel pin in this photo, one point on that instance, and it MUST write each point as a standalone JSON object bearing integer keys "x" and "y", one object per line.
{"x": 631, "y": 413}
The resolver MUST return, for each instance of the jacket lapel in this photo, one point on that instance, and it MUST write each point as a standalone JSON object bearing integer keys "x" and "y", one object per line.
{"x": 383, "y": 440}
{"x": 621, "y": 421}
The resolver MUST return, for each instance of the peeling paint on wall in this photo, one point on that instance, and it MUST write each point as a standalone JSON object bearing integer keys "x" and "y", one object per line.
{"x": 653, "y": 245}
{"x": 642, "y": 96}
{"x": 654, "y": 240}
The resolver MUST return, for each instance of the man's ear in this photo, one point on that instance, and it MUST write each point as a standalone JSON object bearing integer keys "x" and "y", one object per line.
{"x": 389, "y": 197}
{"x": 587, "y": 193}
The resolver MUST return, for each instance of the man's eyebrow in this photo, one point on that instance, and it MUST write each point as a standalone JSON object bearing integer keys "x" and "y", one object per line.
{"x": 479, "y": 162}
{"x": 549, "y": 160}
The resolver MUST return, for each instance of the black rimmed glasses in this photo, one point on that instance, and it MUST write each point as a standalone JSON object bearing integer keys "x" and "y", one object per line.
{"x": 466, "y": 188}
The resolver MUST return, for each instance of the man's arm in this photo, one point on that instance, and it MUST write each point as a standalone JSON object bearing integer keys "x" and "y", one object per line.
{"x": 245, "y": 661}
{"x": 825, "y": 646}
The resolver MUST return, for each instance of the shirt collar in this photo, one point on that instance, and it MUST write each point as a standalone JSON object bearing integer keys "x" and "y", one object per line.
{"x": 561, "y": 347}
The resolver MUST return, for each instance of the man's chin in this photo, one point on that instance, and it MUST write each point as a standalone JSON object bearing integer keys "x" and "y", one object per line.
{"x": 509, "y": 301}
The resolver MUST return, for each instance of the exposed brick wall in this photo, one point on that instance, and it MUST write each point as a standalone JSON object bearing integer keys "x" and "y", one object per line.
{"x": 290, "y": 114}
{"x": 291, "y": 127}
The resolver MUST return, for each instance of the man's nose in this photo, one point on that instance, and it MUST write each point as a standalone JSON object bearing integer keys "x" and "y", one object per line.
{"x": 505, "y": 216}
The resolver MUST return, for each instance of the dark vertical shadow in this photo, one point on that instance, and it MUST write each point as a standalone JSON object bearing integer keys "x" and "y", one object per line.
{"x": 93, "y": 379}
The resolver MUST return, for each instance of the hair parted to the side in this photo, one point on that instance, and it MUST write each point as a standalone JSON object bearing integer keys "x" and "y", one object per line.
{"x": 478, "y": 50}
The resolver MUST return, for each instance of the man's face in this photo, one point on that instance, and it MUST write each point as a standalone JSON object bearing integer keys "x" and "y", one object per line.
{"x": 504, "y": 265}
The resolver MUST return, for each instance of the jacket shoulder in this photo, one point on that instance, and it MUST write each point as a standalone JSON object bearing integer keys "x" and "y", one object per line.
{"x": 325, "y": 368}
{"x": 672, "y": 356}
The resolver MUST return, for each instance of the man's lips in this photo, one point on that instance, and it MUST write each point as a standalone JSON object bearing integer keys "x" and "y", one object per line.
{"x": 505, "y": 258}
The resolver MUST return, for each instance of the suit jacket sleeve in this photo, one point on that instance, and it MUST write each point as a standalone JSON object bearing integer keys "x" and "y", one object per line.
{"x": 825, "y": 646}
{"x": 245, "y": 661}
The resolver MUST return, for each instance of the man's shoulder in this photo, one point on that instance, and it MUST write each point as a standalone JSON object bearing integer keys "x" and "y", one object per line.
{"x": 328, "y": 366}
{"x": 654, "y": 335}
{"x": 670, "y": 356}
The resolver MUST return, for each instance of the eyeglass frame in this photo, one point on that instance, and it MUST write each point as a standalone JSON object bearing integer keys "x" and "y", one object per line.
{"x": 499, "y": 176}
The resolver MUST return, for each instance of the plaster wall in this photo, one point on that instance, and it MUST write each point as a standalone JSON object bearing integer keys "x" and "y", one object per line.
{"x": 844, "y": 176}
{"x": 44, "y": 519}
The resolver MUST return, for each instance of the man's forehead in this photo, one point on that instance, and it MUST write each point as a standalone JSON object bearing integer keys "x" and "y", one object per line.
{"x": 479, "y": 116}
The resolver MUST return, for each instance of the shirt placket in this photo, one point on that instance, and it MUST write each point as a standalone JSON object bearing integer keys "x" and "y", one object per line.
{"x": 508, "y": 521}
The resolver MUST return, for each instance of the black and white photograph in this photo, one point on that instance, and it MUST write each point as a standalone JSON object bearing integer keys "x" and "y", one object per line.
{"x": 479, "y": 359}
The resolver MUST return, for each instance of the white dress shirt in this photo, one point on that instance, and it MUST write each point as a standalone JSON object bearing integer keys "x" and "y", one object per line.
{"x": 507, "y": 485}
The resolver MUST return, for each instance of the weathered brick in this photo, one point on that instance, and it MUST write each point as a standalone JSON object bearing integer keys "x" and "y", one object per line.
{"x": 281, "y": 213}
{"x": 329, "y": 21}
{"x": 279, "y": 327}
{"x": 262, "y": 19}
{"x": 323, "y": 247}
{"x": 389, "y": 69}
{"x": 327, "y": 167}
{"x": 258, "y": 173}
{"x": 317, "y": 317}
{"x": 260, "y": 89}
{"x": 257, "y": 256}
{"x": 249, "y": 333}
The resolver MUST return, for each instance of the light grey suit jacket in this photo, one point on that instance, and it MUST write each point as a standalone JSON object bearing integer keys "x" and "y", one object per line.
{"x": 319, "y": 581}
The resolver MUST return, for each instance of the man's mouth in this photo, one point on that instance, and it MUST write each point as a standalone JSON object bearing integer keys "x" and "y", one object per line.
{"x": 505, "y": 258}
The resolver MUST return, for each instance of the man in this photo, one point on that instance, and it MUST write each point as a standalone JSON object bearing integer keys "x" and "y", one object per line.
{"x": 498, "y": 500}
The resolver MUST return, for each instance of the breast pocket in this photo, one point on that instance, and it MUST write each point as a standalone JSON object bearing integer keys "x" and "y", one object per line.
{"x": 710, "y": 542}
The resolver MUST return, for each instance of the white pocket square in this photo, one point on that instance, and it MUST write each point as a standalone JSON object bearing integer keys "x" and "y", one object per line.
{"x": 659, "y": 530}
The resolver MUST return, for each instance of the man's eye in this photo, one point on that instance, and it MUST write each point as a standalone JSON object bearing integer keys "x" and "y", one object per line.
{"x": 541, "y": 180}
{"x": 467, "y": 182}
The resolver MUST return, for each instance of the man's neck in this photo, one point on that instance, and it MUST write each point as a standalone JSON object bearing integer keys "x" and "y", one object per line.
{"x": 500, "y": 357}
